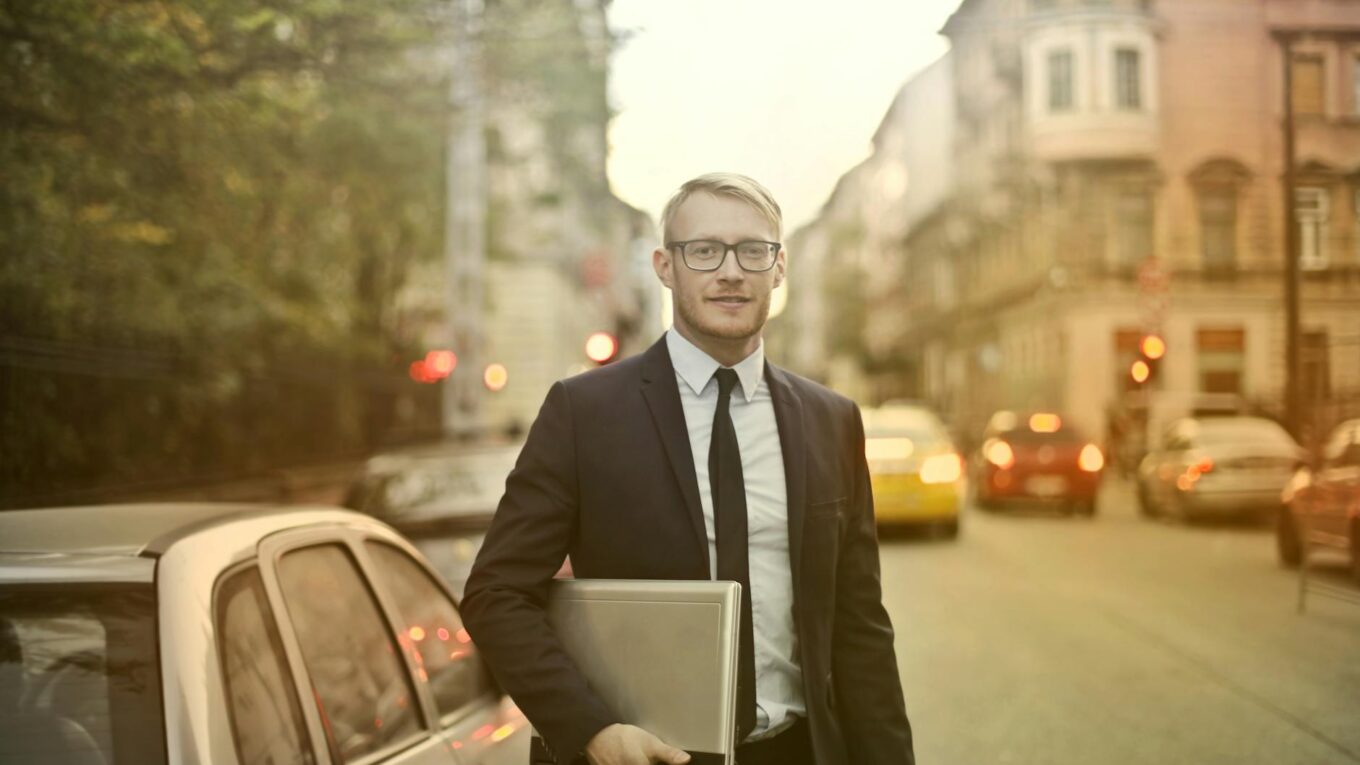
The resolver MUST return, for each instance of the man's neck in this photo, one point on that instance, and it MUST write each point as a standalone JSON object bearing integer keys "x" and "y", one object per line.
{"x": 728, "y": 353}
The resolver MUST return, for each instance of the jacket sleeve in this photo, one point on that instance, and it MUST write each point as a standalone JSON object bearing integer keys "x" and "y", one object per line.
{"x": 865, "y": 679}
{"x": 506, "y": 594}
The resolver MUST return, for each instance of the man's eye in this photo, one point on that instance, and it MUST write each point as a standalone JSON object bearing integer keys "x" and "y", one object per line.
{"x": 704, "y": 250}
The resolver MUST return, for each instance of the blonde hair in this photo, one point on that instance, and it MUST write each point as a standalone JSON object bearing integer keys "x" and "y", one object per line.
{"x": 729, "y": 185}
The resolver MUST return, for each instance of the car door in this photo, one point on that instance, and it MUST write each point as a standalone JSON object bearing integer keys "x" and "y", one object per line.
{"x": 473, "y": 715}
{"x": 1338, "y": 485}
{"x": 362, "y": 685}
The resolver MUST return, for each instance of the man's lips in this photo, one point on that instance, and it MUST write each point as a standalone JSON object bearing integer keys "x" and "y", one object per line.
{"x": 729, "y": 300}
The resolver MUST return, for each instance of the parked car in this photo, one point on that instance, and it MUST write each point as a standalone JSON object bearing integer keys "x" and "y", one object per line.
{"x": 1218, "y": 466}
{"x": 1324, "y": 502}
{"x": 1037, "y": 457}
{"x": 182, "y": 633}
{"x": 916, "y": 472}
{"x": 438, "y": 489}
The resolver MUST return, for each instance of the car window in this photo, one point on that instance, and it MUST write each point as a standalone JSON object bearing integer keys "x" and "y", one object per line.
{"x": 433, "y": 629}
{"x": 79, "y": 676}
{"x": 361, "y": 686}
{"x": 1239, "y": 430}
{"x": 261, "y": 699}
{"x": 1343, "y": 449}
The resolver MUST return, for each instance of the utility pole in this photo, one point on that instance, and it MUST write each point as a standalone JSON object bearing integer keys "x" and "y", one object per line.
{"x": 465, "y": 224}
{"x": 1292, "y": 408}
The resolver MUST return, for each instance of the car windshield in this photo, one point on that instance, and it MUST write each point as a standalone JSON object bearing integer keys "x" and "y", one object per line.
{"x": 79, "y": 681}
{"x": 1052, "y": 431}
{"x": 1242, "y": 430}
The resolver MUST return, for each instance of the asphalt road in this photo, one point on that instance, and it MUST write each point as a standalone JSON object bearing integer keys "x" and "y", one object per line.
{"x": 1037, "y": 638}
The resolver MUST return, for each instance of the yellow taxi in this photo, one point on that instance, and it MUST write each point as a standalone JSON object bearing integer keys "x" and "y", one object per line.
{"x": 917, "y": 474}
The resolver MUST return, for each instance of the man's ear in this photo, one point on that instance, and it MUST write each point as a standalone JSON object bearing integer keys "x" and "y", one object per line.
{"x": 780, "y": 267}
{"x": 661, "y": 263}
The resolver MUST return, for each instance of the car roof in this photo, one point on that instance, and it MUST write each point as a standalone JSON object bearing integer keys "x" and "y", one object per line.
{"x": 900, "y": 416}
{"x": 1214, "y": 421}
{"x": 120, "y": 530}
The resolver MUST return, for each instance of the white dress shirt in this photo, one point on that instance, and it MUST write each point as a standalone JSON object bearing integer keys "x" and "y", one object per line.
{"x": 779, "y": 678}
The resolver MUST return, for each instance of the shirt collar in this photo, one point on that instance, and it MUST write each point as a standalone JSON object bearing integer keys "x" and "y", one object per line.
{"x": 696, "y": 368}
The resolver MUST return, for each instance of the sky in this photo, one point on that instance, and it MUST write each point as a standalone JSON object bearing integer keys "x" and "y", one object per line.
{"x": 788, "y": 92}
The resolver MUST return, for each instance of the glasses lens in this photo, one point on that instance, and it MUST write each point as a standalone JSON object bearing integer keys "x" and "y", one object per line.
{"x": 704, "y": 254}
{"x": 755, "y": 256}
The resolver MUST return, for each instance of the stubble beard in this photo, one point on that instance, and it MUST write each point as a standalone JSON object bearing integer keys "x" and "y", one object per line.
{"x": 691, "y": 312}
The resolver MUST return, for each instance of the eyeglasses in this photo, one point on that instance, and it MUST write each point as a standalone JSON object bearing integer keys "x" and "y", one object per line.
{"x": 708, "y": 254}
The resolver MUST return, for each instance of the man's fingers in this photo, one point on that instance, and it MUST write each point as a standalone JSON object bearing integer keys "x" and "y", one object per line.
{"x": 667, "y": 754}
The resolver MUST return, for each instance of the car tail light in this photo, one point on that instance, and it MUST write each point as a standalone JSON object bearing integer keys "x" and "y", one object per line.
{"x": 942, "y": 468}
{"x": 1091, "y": 460}
{"x": 999, "y": 453}
{"x": 1186, "y": 481}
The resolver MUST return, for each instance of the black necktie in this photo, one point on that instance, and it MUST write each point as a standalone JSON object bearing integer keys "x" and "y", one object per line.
{"x": 729, "y": 517}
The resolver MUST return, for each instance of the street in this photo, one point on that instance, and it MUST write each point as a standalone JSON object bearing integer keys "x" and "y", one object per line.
{"x": 1038, "y": 638}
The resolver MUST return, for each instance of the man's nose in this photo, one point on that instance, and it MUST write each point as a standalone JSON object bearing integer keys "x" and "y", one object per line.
{"x": 730, "y": 269}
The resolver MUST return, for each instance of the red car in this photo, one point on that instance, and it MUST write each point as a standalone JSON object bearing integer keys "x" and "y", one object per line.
{"x": 1324, "y": 501}
{"x": 1037, "y": 458}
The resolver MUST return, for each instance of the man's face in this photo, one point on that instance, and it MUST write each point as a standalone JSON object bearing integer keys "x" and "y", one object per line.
{"x": 728, "y": 304}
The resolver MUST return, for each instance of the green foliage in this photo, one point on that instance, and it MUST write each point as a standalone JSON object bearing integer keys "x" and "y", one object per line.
{"x": 206, "y": 209}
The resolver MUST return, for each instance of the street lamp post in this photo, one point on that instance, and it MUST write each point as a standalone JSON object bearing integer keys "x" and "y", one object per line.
{"x": 465, "y": 230}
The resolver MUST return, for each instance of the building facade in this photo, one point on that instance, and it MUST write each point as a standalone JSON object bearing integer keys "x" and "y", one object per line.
{"x": 1118, "y": 172}
{"x": 564, "y": 257}
{"x": 844, "y": 265}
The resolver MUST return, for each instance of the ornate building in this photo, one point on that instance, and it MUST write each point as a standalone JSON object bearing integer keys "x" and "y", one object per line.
{"x": 1117, "y": 170}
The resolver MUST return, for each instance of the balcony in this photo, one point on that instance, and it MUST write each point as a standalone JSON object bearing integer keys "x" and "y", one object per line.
{"x": 1091, "y": 83}
{"x": 1095, "y": 136}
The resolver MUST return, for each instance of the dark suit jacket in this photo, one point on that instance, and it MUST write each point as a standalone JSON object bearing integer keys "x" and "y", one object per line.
{"x": 607, "y": 476}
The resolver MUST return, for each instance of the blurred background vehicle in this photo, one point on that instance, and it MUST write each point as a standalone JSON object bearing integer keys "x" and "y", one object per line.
{"x": 1322, "y": 502}
{"x": 916, "y": 472}
{"x": 1218, "y": 466}
{"x": 1139, "y": 421}
{"x": 207, "y": 633}
{"x": 1037, "y": 458}
{"x": 441, "y": 496}
{"x": 439, "y": 488}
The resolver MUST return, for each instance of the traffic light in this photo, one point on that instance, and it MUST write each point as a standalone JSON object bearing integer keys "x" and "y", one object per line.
{"x": 1140, "y": 371}
{"x": 1151, "y": 350}
{"x": 602, "y": 348}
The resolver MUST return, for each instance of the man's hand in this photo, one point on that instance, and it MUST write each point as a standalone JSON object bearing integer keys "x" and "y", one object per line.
{"x": 631, "y": 745}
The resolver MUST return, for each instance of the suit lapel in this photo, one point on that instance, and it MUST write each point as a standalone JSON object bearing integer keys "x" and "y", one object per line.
{"x": 788, "y": 414}
{"x": 662, "y": 394}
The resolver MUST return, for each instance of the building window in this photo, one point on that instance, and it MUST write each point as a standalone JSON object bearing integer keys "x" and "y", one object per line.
{"x": 1306, "y": 73}
{"x": 1218, "y": 229}
{"x": 1128, "y": 91}
{"x": 1311, "y": 207}
{"x": 1060, "y": 80}
{"x": 1221, "y": 358}
{"x": 1132, "y": 228}
{"x": 1355, "y": 85}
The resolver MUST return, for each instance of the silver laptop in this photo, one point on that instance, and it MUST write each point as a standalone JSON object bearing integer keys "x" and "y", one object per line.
{"x": 661, "y": 654}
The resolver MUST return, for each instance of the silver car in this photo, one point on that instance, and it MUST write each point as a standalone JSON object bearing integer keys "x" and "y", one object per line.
{"x": 1217, "y": 466}
{"x": 235, "y": 634}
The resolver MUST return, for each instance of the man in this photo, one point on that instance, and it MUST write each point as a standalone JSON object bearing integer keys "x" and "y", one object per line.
{"x": 699, "y": 460}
